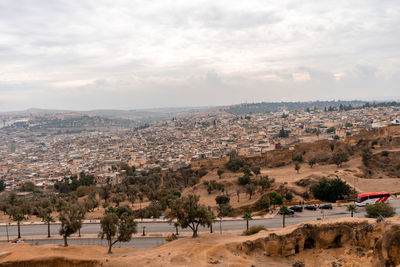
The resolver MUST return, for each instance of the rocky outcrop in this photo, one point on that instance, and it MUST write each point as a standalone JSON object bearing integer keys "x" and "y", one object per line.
{"x": 387, "y": 250}
{"x": 383, "y": 239}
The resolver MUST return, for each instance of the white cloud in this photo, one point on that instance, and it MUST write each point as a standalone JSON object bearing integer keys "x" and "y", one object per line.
{"x": 157, "y": 53}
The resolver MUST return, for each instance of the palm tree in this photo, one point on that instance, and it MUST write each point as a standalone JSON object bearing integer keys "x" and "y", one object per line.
{"x": 284, "y": 211}
{"x": 48, "y": 219}
{"x": 247, "y": 217}
{"x": 18, "y": 218}
{"x": 176, "y": 225}
{"x": 352, "y": 208}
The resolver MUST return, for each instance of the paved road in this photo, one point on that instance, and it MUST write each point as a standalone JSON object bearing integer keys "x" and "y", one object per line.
{"x": 165, "y": 227}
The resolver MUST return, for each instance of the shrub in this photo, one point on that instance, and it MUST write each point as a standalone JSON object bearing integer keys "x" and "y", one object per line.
{"x": 223, "y": 199}
{"x": 340, "y": 157}
{"x": 331, "y": 130}
{"x": 331, "y": 190}
{"x": 254, "y": 230}
{"x": 264, "y": 182}
{"x": 298, "y": 158}
{"x": 280, "y": 164}
{"x": 379, "y": 209}
{"x": 275, "y": 198}
{"x": 384, "y": 153}
{"x": 366, "y": 156}
{"x": 245, "y": 179}
{"x": 235, "y": 164}
{"x": 288, "y": 196}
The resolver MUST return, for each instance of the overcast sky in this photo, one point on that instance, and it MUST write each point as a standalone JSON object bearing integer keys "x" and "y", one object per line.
{"x": 89, "y": 54}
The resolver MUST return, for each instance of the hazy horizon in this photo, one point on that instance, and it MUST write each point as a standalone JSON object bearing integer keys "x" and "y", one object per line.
{"x": 155, "y": 54}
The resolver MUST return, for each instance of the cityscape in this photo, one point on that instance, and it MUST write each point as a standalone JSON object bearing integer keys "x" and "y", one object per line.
{"x": 199, "y": 133}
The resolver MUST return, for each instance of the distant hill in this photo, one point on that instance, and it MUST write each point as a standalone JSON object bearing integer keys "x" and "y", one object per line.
{"x": 157, "y": 114}
{"x": 264, "y": 107}
{"x": 138, "y": 115}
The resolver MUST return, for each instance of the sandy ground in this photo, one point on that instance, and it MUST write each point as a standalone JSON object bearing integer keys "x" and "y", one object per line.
{"x": 207, "y": 250}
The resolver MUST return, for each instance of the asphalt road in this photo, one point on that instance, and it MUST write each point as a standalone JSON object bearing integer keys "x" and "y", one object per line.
{"x": 165, "y": 227}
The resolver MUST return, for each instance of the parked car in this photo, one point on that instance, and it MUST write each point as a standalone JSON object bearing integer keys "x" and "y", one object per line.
{"x": 291, "y": 212}
{"x": 296, "y": 208}
{"x": 326, "y": 206}
{"x": 310, "y": 207}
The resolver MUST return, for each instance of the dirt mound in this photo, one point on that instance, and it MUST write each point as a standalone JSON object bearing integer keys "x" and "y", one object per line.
{"x": 331, "y": 242}
{"x": 54, "y": 262}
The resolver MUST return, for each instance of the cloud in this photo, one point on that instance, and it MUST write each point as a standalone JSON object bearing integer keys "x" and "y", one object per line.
{"x": 132, "y": 54}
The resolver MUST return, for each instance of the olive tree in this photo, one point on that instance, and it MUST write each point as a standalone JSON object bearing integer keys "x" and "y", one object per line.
{"x": 117, "y": 226}
{"x": 189, "y": 213}
{"x": 71, "y": 220}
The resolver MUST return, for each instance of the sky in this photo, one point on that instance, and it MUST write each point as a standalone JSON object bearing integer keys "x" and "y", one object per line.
{"x": 127, "y": 54}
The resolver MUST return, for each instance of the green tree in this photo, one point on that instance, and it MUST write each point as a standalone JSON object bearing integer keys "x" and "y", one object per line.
{"x": 235, "y": 164}
{"x": 366, "y": 156}
{"x": 340, "y": 157}
{"x": 220, "y": 172}
{"x": 105, "y": 192}
{"x": 247, "y": 217}
{"x": 256, "y": 170}
{"x": 352, "y": 208}
{"x": 243, "y": 180}
{"x": 264, "y": 182}
{"x": 91, "y": 203}
{"x": 331, "y": 190}
{"x": 283, "y": 133}
{"x": 312, "y": 162}
{"x": 2, "y": 185}
{"x": 298, "y": 158}
{"x": 288, "y": 196}
{"x": 189, "y": 213}
{"x": 48, "y": 219}
{"x": 18, "y": 218}
{"x": 275, "y": 198}
{"x": 246, "y": 171}
{"x": 118, "y": 198}
{"x": 284, "y": 211}
{"x": 379, "y": 209}
{"x": 331, "y": 130}
{"x": 117, "y": 227}
{"x": 222, "y": 199}
{"x": 250, "y": 188}
{"x": 28, "y": 187}
{"x": 71, "y": 220}
{"x": 297, "y": 167}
